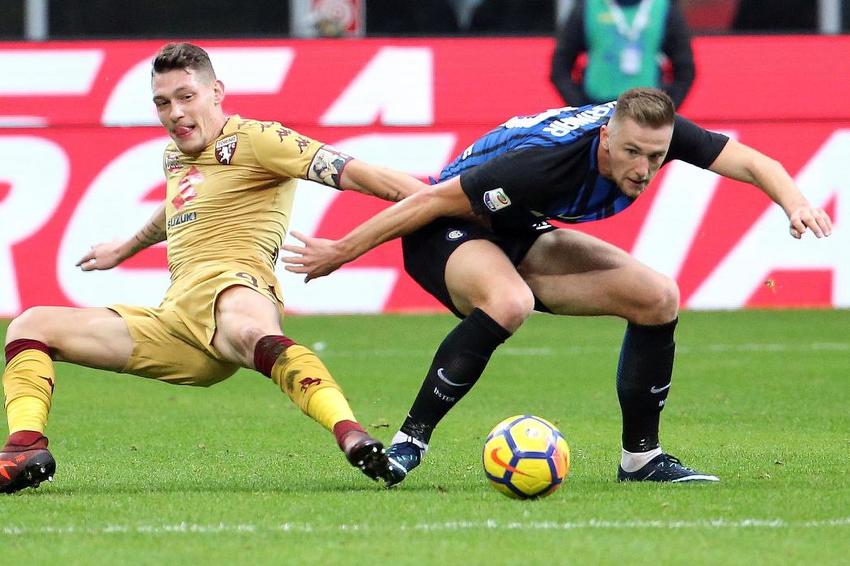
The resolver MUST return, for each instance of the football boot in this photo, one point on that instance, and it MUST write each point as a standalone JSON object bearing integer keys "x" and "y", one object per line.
{"x": 366, "y": 454}
{"x": 403, "y": 457}
{"x": 664, "y": 468}
{"x": 28, "y": 468}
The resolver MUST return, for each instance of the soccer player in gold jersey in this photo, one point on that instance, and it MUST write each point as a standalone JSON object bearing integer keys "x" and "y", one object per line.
{"x": 230, "y": 188}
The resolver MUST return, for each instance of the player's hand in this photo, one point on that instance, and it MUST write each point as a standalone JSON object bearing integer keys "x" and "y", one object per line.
{"x": 807, "y": 217}
{"x": 316, "y": 258}
{"x": 101, "y": 256}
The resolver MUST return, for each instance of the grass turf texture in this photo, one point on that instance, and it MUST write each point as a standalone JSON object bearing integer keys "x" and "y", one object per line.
{"x": 150, "y": 473}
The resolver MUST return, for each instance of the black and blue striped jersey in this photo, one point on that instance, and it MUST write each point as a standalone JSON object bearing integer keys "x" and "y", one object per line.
{"x": 539, "y": 167}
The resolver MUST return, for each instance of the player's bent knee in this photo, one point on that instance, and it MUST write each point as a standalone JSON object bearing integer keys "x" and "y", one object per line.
{"x": 661, "y": 302}
{"x": 510, "y": 310}
{"x": 30, "y": 324}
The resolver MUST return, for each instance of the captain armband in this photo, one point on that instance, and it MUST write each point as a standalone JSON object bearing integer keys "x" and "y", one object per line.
{"x": 327, "y": 166}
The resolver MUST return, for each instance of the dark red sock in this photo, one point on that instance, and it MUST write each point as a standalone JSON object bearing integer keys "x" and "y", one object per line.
{"x": 267, "y": 351}
{"x": 342, "y": 428}
{"x": 15, "y": 347}
{"x": 25, "y": 440}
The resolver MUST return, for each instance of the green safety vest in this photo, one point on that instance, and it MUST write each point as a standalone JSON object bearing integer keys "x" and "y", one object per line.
{"x": 604, "y": 77}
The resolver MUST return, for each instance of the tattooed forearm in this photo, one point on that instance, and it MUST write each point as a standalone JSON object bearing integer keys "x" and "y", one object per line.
{"x": 149, "y": 235}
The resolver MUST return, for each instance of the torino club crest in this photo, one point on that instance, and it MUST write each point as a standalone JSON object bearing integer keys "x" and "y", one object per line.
{"x": 225, "y": 148}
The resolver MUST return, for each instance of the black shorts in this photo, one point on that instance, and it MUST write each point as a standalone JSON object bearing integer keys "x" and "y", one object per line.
{"x": 427, "y": 251}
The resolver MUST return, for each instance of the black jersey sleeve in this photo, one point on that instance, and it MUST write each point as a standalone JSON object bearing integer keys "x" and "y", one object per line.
{"x": 517, "y": 178}
{"x": 693, "y": 144}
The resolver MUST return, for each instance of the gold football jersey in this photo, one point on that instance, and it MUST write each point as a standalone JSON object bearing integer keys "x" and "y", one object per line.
{"x": 233, "y": 201}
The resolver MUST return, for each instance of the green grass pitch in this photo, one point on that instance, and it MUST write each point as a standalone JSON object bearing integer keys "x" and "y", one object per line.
{"x": 156, "y": 474}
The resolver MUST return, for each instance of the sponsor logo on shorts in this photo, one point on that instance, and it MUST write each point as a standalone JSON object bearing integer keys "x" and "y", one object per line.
{"x": 225, "y": 148}
{"x": 455, "y": 235}
{"x": 496, "y": 199}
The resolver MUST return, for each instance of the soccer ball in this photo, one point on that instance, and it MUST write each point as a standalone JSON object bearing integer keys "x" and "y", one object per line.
{"x": 526, "y": 457}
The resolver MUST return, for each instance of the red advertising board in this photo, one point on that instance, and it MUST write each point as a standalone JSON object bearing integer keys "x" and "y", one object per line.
{"x": 80, "y": 155}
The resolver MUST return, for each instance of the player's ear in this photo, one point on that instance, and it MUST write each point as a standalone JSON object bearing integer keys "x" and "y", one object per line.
{"x": 603, "y": 136}
{"x": 218, "y": 91}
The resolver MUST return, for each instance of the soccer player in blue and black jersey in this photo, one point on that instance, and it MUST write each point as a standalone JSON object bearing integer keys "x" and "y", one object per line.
{"x": 479, "y": 240}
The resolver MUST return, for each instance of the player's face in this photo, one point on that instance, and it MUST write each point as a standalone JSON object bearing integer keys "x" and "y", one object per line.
{"x": 189, "y": 106}
{"x": 634, "y": 153}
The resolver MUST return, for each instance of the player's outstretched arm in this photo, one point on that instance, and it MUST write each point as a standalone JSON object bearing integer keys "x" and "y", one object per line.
{"x": 319, "y": 257}
{"x": 743, "y": 163}
{"x": 110, "y": 254}
{"x": 381, "y": 182}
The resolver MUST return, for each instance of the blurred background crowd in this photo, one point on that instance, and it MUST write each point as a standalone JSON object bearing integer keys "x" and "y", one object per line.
{"x": 70, "y": 19}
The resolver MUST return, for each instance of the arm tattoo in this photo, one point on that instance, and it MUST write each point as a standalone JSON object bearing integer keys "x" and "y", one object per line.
{"x": 149, "y": 235}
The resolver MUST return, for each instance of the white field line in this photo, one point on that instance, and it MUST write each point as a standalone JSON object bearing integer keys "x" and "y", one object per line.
{"x": 488, "y": 525}
{"x": 325, "y": 351}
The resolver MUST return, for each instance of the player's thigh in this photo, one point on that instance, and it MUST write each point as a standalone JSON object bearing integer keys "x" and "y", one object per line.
{"x": 478, "y": 274}
{"x": 577, "y": 274}
{"x": 94, "y": 337}
{"x": 243, "y": 315}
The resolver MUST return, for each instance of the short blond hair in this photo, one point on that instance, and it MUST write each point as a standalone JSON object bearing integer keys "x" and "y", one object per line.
{"x": 646, "y": 106}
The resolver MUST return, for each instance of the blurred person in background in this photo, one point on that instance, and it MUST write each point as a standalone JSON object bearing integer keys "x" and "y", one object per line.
{"x": 628, "y": 44}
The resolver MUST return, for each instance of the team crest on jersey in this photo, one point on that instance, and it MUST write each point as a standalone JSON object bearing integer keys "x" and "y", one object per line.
{"x": 496, "y": 199}
{"x": 186, "y": 188}
{"x": 455, "y": 235}
{"x": 225, "y": 148}
{"x": 172, "y": 162}
{"x": 327, "y": 166}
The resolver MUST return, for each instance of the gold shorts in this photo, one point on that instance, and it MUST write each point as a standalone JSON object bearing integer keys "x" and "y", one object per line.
{"x": 173, "y": 342}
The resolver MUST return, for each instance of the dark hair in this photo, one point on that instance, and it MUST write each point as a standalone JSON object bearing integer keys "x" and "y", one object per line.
{"x": 646, "y": 106}
{"x": 182, "y": 56}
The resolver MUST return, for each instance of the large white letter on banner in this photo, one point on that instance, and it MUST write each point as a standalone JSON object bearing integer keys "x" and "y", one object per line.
{"x": 243, "y": 70}
{"x": 395, "y": 86}
{"x": 669, "y": 229}
{"x": 358, "y": 289}
{"x": 113, "y": 207}
{"x": 768, "y": 247}
{"x": 37, "y": 170}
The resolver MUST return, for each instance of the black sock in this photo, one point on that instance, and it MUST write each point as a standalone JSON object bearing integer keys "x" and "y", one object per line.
{"x": 643, "y": 381}
{"x": 457, "y": 365}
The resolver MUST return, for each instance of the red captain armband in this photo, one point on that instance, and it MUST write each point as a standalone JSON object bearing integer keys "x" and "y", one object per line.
{"x": 327, "y": 166}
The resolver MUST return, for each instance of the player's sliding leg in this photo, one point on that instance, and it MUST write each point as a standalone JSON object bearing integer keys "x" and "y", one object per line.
{"x": 248, "y": 332}
{"x": 305, "y": 379}
{"x": 495, "y": 306}
{"x": 576, "y": 274}
{"x": 94, "y": 337}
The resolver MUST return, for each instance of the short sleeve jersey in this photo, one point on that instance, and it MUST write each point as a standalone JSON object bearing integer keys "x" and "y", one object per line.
{"x": 540, "y": 167}
{"x": 232, "y": 203}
